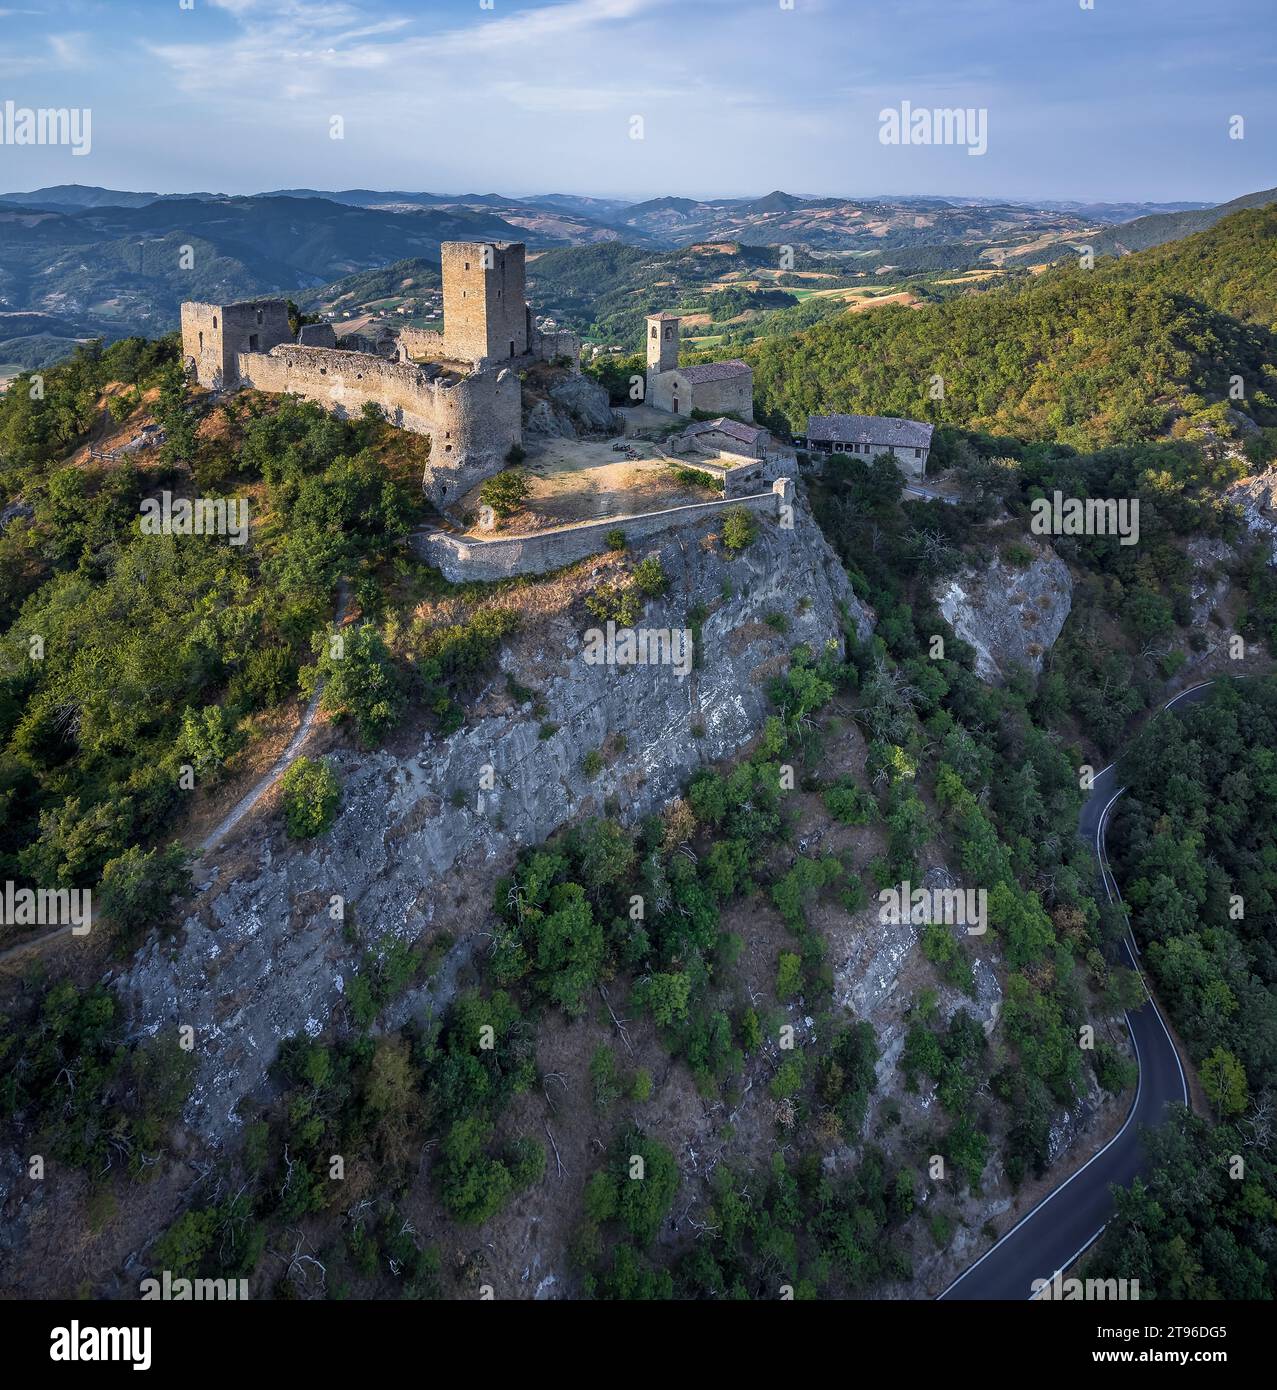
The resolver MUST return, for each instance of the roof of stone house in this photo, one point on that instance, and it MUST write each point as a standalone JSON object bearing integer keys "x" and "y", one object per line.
{"x": 715, "y": 371}
{"x": 869, "y": 429}
{"x": 746, "y": 434}
{"x": 672, "y": 318}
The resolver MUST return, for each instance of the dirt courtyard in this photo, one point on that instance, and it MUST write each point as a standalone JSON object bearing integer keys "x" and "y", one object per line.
{"x": 573, "y": 480}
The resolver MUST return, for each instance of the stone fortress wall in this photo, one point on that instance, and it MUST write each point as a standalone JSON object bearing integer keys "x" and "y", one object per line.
{"x": 420, "y": 345}
{"x": 464, "y": 395}
{"x": 213, "y": 336}
{"x": 460, "y": 558}
{"x": 472, "y": 420}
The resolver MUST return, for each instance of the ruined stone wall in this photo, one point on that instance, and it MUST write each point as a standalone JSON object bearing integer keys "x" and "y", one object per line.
{"x": 550, "y": 347}
{"x": 461, "y": 558}
{"x": 421, "y": 344}
{"x": 317, "y": 335}
{"x": 202, "y": 342}
{"x": 214, "y": 335}
{"x": 750, "y": 477}
{"x": 471, "y": 421}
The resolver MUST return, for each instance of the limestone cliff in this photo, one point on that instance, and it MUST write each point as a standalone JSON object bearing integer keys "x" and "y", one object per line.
{"x": 425, "y": 831}
{"x": 1010, "y": 614}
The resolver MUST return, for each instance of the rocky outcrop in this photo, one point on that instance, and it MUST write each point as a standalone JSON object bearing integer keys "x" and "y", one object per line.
{"x": 875, "y": 958}
{"x": 1255, "y": 501}
{"x": 422, "y": 835}
{"x": 1210, "y": 582}
{"x": 15, "y": 511}
{"x": 544, "y": 422}
{"x": 1011, "y": 615}
{"x": 575, "y": 405}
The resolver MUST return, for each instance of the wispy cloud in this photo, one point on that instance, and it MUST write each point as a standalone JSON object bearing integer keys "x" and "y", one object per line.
{"x": 737, "y": 95}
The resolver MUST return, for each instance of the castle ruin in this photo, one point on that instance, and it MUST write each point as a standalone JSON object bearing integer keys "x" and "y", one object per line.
{"x": 459, "y": 387}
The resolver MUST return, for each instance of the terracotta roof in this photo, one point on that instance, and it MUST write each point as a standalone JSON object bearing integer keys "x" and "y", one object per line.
{"x": 869, "y": 429}
{"x": 714, "y": 371}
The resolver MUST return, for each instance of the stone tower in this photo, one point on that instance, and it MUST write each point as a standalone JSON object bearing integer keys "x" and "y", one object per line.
{"x": 662, "y": 342}
{"x": 213, "y": 335}
{"x": 485, "y": 311}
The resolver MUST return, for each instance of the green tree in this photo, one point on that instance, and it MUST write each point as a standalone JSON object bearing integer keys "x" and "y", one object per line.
{"x": 310, "y": 794}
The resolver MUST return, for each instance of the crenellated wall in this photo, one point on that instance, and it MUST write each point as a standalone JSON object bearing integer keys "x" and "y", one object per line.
{"x": 472, "y": 421}
{"x": 461, "y": 558}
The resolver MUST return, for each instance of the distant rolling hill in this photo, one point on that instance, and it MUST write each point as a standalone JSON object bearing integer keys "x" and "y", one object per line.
{"x": 110, "y": 262}
{"x": 1158, "y": 228}
{"x": 835, "y": 223}
{"x": 116, "y": 270}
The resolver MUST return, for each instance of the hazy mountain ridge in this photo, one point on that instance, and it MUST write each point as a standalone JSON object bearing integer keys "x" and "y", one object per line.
{"x": 109, "y": 263}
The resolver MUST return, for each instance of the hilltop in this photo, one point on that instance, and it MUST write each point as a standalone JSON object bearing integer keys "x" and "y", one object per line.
{"x": 1126, "y": 351}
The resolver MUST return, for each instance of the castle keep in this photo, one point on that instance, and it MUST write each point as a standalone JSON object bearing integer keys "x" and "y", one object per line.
{"x": 460, "y": 387}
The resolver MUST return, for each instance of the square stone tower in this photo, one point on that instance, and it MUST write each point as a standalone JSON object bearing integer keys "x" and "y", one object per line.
{"x": 485, "y": 311}
{"x": 662, "y": 342}
{"x": 214, "y": 335}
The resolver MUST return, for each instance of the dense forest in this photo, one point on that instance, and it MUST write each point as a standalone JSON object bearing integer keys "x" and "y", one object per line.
{"x": 1087, "y": 357}
{"x": 1193, "y": 843}
{"x": 125, "y": 657}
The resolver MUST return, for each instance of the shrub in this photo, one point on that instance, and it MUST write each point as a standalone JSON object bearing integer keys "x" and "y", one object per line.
{"x": 849, "y": 803}
{"x": 739, "y": 529}
{"x": 310, "y": 797}
{"x": 615, "y": 540}
{"x": 505, "y": 492}
{"x": 361, "y": 681}
{"x": 650, "y": 576}
{"x": 615, "y": 603}
{"x": 789, "y": 976}
{"x": 138, "y": 889}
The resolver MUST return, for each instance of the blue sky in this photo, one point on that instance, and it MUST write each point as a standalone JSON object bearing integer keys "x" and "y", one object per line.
{"x": 1130, "y": 99}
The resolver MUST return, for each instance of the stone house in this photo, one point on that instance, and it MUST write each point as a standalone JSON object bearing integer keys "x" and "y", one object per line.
{"x": 868, "y": 435}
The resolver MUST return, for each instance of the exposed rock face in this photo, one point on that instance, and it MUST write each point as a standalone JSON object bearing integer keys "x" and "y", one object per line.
{"x": 1255, "y": 499}
{"x": 1011, "y": 616}
{"x": 868, "y": 980}
{"x": 577, "y": 405}
{"x": 586, "y": 402}
{"x": 421, "y": 838}
{"x": 13, "y": 512}
{"x": 544, "y": 422}
{"x": 1210, "y": 583}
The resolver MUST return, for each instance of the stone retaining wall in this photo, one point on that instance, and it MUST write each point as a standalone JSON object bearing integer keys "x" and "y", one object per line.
{"x": 462, "y": 558}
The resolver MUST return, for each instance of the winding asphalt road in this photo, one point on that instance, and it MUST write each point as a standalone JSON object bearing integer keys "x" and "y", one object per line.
{"x": 1064, "y": 1224}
